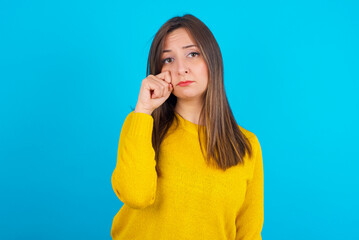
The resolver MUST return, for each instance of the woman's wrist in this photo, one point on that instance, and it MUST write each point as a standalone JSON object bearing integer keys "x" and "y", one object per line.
{"x": 141, "y": 110}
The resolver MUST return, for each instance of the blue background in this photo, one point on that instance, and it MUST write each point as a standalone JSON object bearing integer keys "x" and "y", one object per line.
{"x": 70, "y": 72}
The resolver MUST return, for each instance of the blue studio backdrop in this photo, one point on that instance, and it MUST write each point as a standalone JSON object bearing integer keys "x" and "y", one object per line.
{"x": 70, "y": 72}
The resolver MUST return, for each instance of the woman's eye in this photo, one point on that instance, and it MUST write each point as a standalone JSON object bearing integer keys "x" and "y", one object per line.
{"x": 169, "y": 60}
{"x": 194, "y": 53}
{"x": 165, "y": 60}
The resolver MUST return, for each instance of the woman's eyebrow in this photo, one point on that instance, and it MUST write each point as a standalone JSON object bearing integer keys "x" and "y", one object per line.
{"x": 188, "y": 46}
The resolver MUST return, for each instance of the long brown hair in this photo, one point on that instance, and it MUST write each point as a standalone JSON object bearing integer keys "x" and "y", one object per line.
{"x": 224, "y": 142}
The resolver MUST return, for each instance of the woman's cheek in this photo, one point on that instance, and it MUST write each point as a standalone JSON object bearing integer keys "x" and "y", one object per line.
{"x": 164, "y": 68}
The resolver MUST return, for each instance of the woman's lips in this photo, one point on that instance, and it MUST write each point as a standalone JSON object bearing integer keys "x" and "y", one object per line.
{"x": 184, "y": 83}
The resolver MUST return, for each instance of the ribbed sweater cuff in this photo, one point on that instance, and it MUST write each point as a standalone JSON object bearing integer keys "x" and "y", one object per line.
{"x": 141, "y": 125}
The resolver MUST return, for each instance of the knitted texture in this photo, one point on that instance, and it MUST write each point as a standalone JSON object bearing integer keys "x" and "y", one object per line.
{"x": 190, "y": 200}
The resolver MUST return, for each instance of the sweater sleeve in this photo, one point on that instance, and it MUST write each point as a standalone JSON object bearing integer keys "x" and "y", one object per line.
{"x": 134, "y": 179}
{"x": 249, "y": 220}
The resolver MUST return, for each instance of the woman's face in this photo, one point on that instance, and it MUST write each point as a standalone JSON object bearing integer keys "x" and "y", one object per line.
{"x": 183, "y": 59}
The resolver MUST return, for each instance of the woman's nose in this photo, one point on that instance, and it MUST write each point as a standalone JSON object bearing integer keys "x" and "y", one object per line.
{"x": 181, "y": 67}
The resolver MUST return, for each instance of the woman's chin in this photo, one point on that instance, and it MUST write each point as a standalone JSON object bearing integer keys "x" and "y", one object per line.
{"x": 187, "y": 97}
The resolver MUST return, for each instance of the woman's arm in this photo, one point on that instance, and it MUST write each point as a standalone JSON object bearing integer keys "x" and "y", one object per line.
{"x": 134, "y": 179}
{"x": 250, "y": 218}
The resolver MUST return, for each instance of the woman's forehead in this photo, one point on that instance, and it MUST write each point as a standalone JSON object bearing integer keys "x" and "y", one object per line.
{"x": 178, "y": 38}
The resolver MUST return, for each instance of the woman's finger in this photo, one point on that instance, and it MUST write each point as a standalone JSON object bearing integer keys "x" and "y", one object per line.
{"x": 166, "y": 76}
{"x": 154, "y": 87}
{"x": 165, "y": 85}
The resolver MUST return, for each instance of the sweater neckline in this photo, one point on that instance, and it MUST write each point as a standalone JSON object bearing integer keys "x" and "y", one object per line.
{"x": 186, "y": 124}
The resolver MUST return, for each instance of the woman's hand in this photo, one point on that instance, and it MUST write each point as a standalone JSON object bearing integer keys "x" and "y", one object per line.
{"x": 154, "y": 91}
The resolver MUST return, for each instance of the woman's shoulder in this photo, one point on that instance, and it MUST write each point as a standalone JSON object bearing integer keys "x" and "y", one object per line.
{"x": 247, "y": 133}
{"x": 252, "y": 137}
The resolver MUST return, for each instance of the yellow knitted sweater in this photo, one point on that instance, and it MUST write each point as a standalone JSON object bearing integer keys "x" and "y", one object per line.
{"x": 190, "y": 200}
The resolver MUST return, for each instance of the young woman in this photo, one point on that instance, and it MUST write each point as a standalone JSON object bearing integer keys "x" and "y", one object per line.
{"x": 185, "y": 169}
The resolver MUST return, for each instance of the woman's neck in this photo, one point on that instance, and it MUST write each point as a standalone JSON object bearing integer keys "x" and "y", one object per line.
{"x": 189, "y": 110}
